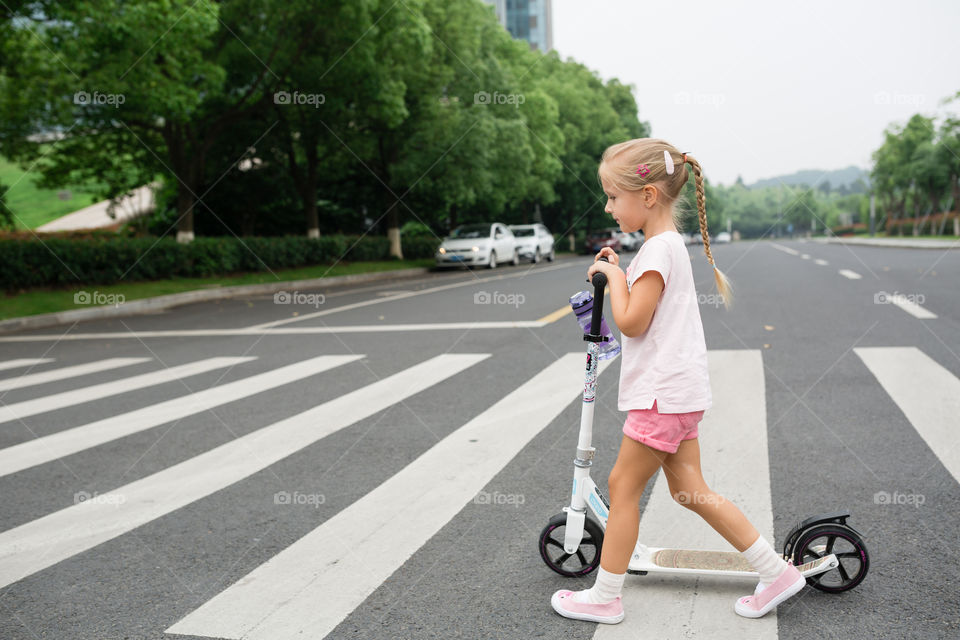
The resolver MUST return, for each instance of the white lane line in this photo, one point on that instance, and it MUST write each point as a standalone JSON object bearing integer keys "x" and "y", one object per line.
{"x": 910, "y": 306}
{"x": 821, "y": 262}
{"x": 310, "y": 587}
{"x": 734, "y": 460}
{"x": 27, "y": 408}
{"x": 805, "y": 256}
{"x": 289, "y": 331}
{"x": 68, "y": 372}
{"x": 70, "y": 441}
{"x": 846, "y": 273}
{"x": 792, "y": 252}
{"x": 23, "y": 362}
{"x": 43, "y": 542}
{"x": 410, "y": 294}
{"x": 927, "y": 393}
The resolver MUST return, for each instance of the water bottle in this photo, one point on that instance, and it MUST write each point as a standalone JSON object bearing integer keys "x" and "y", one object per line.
{"x": 582, "y": 304}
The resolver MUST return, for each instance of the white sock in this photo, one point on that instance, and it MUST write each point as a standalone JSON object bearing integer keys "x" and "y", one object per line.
{"x": 605, "y": 589}
{"x": 765, "y": 561}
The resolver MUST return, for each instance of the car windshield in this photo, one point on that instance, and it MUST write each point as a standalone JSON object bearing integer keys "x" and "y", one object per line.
{"x": 471, "y": 231}
{"x": 520, "y": 233}
{"x": 603, "y": 234}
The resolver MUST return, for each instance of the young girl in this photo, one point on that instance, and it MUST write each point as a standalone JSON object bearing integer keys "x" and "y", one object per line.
{"x": 664, "y": 385}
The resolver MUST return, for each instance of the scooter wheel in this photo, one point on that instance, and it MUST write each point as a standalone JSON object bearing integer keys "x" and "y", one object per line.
{"x": 843, "y": 542}
{"x": 580, "y": 563}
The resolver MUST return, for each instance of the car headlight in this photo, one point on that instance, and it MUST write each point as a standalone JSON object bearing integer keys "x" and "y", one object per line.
{"x": 476, "y": 249}
{"x": 441, "y": 250}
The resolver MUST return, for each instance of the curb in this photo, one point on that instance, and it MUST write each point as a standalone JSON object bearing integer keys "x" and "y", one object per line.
{"x": 159, "y": 303}
{"x": 893, "y": 242}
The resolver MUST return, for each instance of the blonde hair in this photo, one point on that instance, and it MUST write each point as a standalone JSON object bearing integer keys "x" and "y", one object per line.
{"x": 619, "y": 167}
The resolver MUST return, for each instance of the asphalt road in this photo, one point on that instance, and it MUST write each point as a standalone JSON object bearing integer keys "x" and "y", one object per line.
{"x": 355, "y": 495}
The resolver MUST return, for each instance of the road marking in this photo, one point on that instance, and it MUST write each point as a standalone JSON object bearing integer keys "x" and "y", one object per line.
{"x": 910, "y": 307}
{"x": 821, "y": 262}
{"x": 289, "y": 331}
{"x": 23, "y": 362}
{"x": 733, "y": 447}
{"x": 927, "y": 393}
{"x": 310, "y": 587}
{"x": 792, "y": 252}
{"x": 68, "y": 372}
{"x": 805, "y": 256}
{"x": 365, "y": 303}
{"x": 43, "y": 542}
{"x": 27, "y": 408}
{"x": 846, "y": 273}
{"x": 70, "y": 441}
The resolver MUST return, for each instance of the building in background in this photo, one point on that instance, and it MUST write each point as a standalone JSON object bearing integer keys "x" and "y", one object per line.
{"x": 530, "y": 20}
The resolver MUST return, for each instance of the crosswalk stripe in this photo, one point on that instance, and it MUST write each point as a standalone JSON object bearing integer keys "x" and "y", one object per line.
{"x": 64, "y": 443}
{"x": 23, "y": 362}
{"x": 927, "y": 393}
{"x": 912, "y": 307}
{"x": 733, "y": 451}
{"x": 43, "y": 542}
{"x": 27, "y": 408}
{"x": 63, "y": 373}
{"x": 284, "y": 598}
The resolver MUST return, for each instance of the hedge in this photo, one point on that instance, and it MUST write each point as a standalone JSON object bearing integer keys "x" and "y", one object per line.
{"x": 53, "y": 261}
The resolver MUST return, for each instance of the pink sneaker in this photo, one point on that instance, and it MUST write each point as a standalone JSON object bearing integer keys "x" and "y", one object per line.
{"x": 609, "y": 613}
{"x": 764, "y": 599}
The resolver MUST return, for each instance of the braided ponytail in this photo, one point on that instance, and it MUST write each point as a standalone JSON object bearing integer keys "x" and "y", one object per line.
{"x": 723, "y": 283}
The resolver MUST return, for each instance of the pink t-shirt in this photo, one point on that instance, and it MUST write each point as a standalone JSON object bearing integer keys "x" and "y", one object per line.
{"x": 668, "y": 362}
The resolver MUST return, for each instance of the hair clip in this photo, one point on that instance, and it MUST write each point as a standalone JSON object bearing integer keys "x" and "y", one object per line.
{"x": 668, "y": 161}
{"x": 643, "y": 170}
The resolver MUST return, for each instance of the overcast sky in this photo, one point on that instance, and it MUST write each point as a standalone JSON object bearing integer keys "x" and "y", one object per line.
{"x": 762, "y": 89}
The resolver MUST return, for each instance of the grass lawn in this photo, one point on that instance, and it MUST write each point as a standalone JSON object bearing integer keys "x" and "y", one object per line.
{"x": 38, "y": 301}
{"x": 33, "y": 206}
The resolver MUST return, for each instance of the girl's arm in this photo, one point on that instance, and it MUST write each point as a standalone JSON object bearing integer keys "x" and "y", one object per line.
{"x": 632, "y": 309}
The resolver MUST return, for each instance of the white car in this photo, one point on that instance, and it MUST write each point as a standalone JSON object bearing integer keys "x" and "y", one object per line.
{"x": 631, "y": 241}
{"x": 722, "y": 237}
{"x": 484, "y": 243}
{"x": 534, "y": 241}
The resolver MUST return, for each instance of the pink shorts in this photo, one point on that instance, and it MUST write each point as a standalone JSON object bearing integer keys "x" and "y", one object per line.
{"x": 662, "y": 431}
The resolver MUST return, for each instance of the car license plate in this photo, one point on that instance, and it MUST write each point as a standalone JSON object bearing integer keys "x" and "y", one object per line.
{"x": 456, "y": 258}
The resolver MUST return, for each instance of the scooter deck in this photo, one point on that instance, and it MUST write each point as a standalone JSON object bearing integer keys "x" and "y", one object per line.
{"x": 711, "y": 563}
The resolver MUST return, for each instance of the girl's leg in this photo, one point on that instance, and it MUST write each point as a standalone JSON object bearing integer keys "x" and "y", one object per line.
{"x": 636, "y": 463}
{"x": 689, "y": 489}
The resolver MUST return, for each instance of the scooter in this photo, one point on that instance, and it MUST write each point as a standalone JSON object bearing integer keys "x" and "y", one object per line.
{"x": 830, "y": 554}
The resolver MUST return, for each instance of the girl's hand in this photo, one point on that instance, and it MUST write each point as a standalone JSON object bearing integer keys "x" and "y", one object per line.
{"x": 604, "y": 267}
{"x": 610, "y": 255}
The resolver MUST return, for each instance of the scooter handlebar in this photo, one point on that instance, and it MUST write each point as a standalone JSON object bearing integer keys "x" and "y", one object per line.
{"x": 599, "y": 284}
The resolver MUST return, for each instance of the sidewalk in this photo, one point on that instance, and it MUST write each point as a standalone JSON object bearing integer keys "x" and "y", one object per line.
{"x": 905, "y": 242}
{"x": 95, "y": 216}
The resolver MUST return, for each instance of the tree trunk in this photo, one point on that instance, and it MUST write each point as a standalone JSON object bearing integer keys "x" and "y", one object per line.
{"x": 393, "y": 232}
{"x": 185, "y": 202}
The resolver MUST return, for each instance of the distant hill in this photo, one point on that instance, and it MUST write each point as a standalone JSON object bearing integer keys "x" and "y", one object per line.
{"x": 816, "y": 177}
